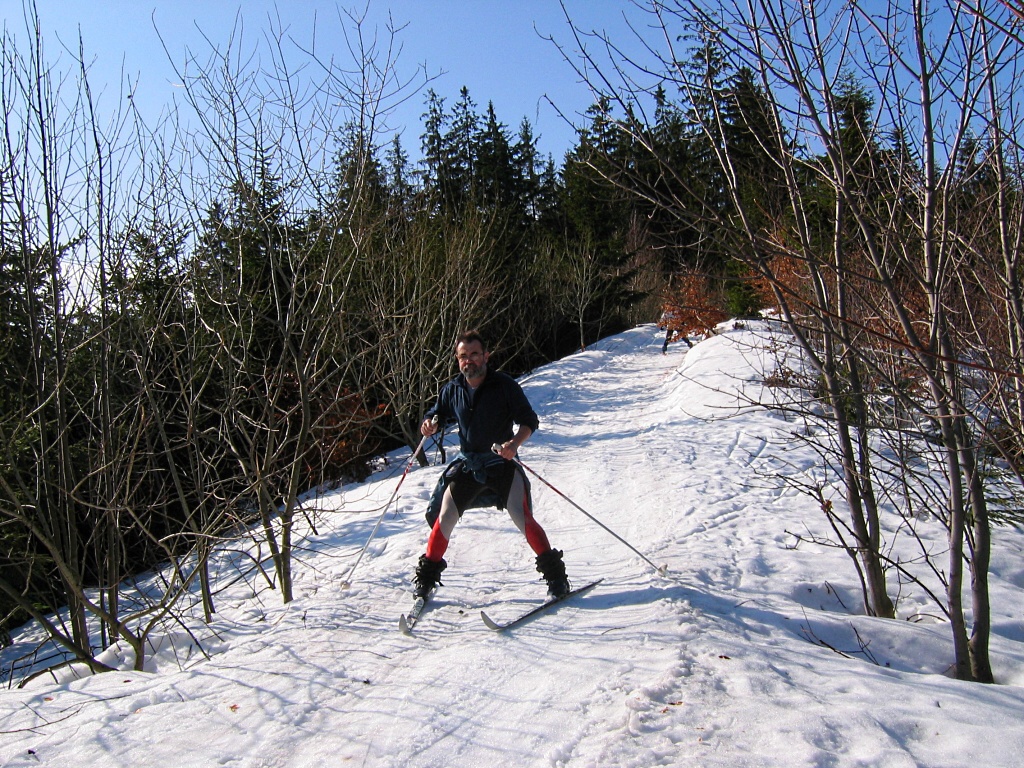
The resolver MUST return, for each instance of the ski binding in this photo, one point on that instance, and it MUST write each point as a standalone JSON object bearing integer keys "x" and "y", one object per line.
{"x": 407, "y": 621}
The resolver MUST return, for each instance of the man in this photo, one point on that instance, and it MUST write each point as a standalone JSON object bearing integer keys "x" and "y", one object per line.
{"x": 485, "y": 404}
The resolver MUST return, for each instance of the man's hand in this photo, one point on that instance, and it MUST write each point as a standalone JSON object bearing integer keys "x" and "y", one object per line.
{"x": 429, "y": 426}
{"x": 507, "y": 450}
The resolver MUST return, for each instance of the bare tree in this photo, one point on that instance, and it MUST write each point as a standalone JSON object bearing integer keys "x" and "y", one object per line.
{"x": 283, "y": 243}
{"x": 424, "y": 281}
{"x": 72, "y": 457}
{"x": 153, "y": 402}
{"x": 888, "y": 303}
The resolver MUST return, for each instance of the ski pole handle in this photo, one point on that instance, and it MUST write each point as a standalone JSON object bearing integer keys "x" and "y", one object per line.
{"x": 498, "y": 448}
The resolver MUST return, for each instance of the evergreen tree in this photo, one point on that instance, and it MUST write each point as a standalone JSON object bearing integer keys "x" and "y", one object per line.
{"x": 496, "y": 183}
{"x": 399, "y": 179}
{"x": 528, "y": 169}
{"x": 242, "y": 270}
{"x": 361, "y": 183}
{"x": 434, "y": 171}
{"x": 751, "y": 140}
{"x": 461, "y": 152}
{"x": 23, "y": 565}
{"x": 599, "y": 213}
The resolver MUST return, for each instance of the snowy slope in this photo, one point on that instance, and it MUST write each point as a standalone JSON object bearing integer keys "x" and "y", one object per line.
{"x": 747, "y": 653}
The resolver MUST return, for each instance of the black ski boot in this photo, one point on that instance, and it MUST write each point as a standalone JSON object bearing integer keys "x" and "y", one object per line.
{"x": 553, "y": 569}
{"x": 428, "y": 575}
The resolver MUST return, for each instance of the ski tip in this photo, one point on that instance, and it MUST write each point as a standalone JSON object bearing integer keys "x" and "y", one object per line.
{"x": 403, "y": 625}
{"x": 491, "y": 624}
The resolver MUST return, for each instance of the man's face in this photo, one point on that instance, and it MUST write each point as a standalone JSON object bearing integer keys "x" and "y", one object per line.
{"x": 472, "y": 359}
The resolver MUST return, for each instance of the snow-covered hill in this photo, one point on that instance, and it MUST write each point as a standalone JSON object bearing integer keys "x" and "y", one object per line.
{"x": 749, "y": 652}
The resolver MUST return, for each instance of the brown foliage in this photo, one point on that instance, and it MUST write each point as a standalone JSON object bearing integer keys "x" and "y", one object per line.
{"x": 692, "y": 307}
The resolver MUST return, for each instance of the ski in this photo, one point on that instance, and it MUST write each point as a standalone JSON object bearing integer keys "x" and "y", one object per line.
{"x": 408, "y": 620}
{"x": 491, "y": 624}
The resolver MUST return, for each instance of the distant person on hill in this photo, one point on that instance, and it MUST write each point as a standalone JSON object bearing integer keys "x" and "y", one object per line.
{"x": 485, "y": 404}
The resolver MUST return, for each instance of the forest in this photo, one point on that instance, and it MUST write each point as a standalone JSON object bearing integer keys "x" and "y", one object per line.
{"x": 205, "y": 318}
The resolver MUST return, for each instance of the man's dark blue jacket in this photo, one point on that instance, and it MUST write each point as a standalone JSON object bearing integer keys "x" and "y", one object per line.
{"x": 485, "y": 415}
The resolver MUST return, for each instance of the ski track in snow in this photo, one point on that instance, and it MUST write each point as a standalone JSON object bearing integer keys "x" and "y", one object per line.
{"x": 719, "y": 663}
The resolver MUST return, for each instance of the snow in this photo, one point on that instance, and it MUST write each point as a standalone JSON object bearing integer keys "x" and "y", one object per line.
{"x": 749, "y": 651}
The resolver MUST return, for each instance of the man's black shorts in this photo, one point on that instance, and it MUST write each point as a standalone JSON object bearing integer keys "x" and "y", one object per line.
{"x": 466, "y": 489}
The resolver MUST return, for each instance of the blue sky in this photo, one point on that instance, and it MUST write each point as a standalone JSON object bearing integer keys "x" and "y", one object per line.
{"x": 494, "y": 47}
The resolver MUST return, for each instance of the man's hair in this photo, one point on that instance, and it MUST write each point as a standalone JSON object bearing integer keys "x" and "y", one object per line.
{"x": 468, "y": 337}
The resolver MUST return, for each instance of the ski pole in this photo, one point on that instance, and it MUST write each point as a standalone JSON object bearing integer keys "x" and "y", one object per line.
{"x": 346, "y": 582}
{"x": 661, "y": 570}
